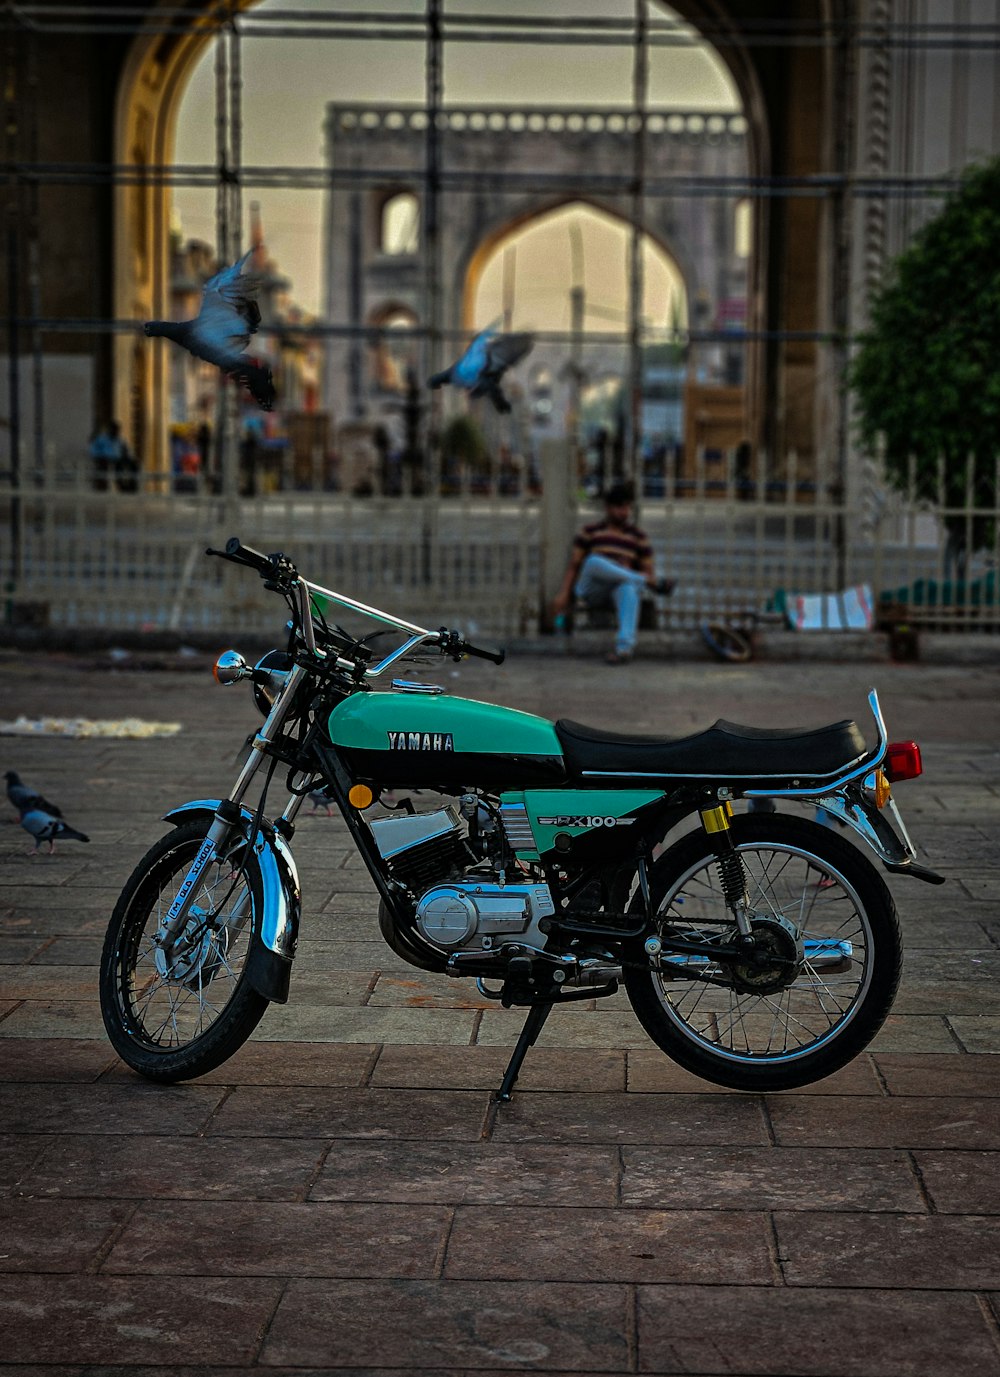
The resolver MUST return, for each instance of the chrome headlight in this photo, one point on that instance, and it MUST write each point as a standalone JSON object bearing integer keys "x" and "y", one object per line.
{"x": 230, "y": 668}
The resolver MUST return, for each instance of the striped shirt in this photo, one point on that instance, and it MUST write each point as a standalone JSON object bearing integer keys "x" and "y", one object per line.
{"x": 627, "y": 545}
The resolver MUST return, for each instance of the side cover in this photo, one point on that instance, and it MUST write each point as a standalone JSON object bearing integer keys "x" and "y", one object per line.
{"x": 576, "y": 824}
{"x": 424, "y": 740}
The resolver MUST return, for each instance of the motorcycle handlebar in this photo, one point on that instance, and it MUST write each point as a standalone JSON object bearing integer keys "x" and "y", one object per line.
{"x": 238, "y": 553}
{"x": 454, "y": 644}
{"x": 486, "y": 652}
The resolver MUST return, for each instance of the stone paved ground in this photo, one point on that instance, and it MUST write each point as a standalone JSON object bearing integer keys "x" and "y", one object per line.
{"x": 342, "y": 1196}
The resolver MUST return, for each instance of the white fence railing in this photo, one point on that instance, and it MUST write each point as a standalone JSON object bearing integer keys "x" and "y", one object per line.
{"x": 73, "y": 556}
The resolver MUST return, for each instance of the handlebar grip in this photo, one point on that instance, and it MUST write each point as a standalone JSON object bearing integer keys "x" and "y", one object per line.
{"x": 245, "y": 554}
{"x": 486, "y": 652}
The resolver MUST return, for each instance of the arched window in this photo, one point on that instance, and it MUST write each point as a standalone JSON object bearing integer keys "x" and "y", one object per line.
{"x": 742, "y": 228}
{"x": 400, "y": 227}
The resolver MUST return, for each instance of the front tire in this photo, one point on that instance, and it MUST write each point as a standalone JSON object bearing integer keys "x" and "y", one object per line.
{"x": 782, "y": 1032}
{"x": 173, "y": 1020}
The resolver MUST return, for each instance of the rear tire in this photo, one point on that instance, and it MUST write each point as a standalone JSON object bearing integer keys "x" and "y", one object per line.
{"x": 172, "y": 1023}
{"x": 821, "y": 886}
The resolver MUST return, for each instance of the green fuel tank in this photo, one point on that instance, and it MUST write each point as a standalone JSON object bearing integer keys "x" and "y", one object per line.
{"x": 420, "y": 739}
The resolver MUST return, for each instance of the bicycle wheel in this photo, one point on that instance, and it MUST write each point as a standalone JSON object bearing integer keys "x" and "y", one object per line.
{"x": 822, "y": 914}
{"x": 726, "y": 642}
{"x": 171, "y": 1019}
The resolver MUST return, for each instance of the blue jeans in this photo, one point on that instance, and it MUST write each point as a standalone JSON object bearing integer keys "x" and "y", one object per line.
{"x": 603, "y": 583}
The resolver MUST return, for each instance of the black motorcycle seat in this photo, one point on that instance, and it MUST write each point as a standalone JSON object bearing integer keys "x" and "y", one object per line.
{"x": 725, "y": 750}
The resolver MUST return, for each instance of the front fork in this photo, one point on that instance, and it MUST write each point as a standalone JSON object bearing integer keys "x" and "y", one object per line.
{"x": 228, "y": 817}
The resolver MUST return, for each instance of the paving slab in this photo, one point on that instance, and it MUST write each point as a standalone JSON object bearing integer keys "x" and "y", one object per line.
{"x": 588, "y": 1118}
{"x": 976, "y": 1032}
{"x": 151, "y": 1167}
{"x": 134, "y": 1321}
{"x": 128, "y": 1108}
{"x": 934, "y": 1122}
{"x": 267, "y": 1238}
{"x": 54, "y": 1059}
{"x": 917, "y": 1251}
{"x": 960, "y": 1182}
{"x": 523, "y": 1325}
{"x": 939, "y": 1075}
{"x": 482, "y": 1068}
{"x": 917, "y": 1033}
{"x": 70, "y": 951}
{"x": 261, "y": 1062}
{"x": 768, "y": 1178}
{"x": 58, "y": 1235}
{"x": 813, "y": 1332}
{"x": 638, "y": 1245}
{"x": 18, "y": 1152}
{"x": 342, "y": 1196}
{"x": 294, "y": 1022}
{"x": 402, "y": 1114}
{"x": 479, "y": 1173}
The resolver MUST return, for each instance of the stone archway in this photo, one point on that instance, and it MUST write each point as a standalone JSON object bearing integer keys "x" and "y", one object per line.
{"x": 150, "y": 89}
{"x": 788, "y": 92}
{"x": 475, "y": 260}
{"x": 577, "y": 148}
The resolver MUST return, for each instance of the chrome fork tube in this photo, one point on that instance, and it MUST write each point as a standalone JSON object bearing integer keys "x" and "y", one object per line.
{"x": 228, "y": 814}
{"x": 291, "y": 809}
{"x": 270, "y": 729}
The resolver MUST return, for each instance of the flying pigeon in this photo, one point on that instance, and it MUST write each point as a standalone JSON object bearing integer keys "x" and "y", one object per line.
{"x": 221, "y": 330}
{"x": 23, "y": 797}
{"x": 484, "y": 363}
{"x": 44, "y": 827}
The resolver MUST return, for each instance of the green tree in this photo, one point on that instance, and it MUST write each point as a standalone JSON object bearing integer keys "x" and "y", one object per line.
{"x": 927, "y": 374}
{"x": 463, "y": 449}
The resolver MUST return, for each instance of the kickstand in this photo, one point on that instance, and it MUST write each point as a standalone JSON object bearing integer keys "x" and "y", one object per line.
{"x": 537, "y": 1015}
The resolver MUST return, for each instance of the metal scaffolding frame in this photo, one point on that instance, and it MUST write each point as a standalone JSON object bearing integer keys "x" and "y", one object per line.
{"x": 860, "y": 182}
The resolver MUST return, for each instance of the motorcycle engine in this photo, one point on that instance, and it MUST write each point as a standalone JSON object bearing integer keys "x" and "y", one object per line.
{"x": 466, "y": 915}
{"x": 430, "y": 853}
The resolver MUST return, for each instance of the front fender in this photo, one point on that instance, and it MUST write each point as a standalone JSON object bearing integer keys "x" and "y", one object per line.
{"x": 270, "y": 961}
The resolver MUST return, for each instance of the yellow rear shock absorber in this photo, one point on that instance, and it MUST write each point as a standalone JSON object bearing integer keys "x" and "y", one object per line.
{"x": 715, "y": 821}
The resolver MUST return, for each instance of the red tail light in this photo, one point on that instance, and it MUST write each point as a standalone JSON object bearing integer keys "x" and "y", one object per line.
{"x": 902, "y": 761}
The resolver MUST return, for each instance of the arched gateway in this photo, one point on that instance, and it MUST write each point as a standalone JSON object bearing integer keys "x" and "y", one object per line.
{"x": 503, "y": 167}
{"x": 153, "y": 75}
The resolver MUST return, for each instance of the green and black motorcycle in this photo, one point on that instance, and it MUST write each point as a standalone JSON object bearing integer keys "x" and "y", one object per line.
{"x": 760, "y": 950}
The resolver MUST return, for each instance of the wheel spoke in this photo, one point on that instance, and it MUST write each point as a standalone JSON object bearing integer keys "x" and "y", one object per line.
{"x": 175, "y": 1009}
{"x": 780, "y": 1022}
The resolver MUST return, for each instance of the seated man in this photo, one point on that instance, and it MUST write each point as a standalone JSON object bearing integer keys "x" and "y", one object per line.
{"x": 612, "y": 566}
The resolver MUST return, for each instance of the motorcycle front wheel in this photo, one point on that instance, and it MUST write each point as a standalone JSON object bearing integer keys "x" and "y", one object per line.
{"x": 172, "y": 1018}
{"x": 824, "y": 914}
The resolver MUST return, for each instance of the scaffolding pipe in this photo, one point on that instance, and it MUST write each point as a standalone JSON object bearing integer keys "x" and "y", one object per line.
{"x": 632, "y": 457}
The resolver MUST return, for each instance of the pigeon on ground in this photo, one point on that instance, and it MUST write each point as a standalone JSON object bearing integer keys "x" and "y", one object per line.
{"x": 484, "y": 363}
{"x": 44, "y": 827}
{"x": 221, "y": 330}
{"x": 23, "y": 797}
{"x": 321, "y": 798}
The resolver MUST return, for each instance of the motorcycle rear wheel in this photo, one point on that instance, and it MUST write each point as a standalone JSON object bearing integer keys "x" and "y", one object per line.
{"x": 815, "y": 882}
{"x": 173, "y": 1021}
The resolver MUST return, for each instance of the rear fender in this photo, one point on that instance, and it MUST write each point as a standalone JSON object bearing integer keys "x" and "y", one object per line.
{"x": 269, "y": 964}
{"x": 850, "y": 808}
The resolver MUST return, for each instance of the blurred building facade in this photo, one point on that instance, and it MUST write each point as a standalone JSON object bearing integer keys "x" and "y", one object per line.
{"x": 536, "y": 159}
{"x": 858, "y": 118}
